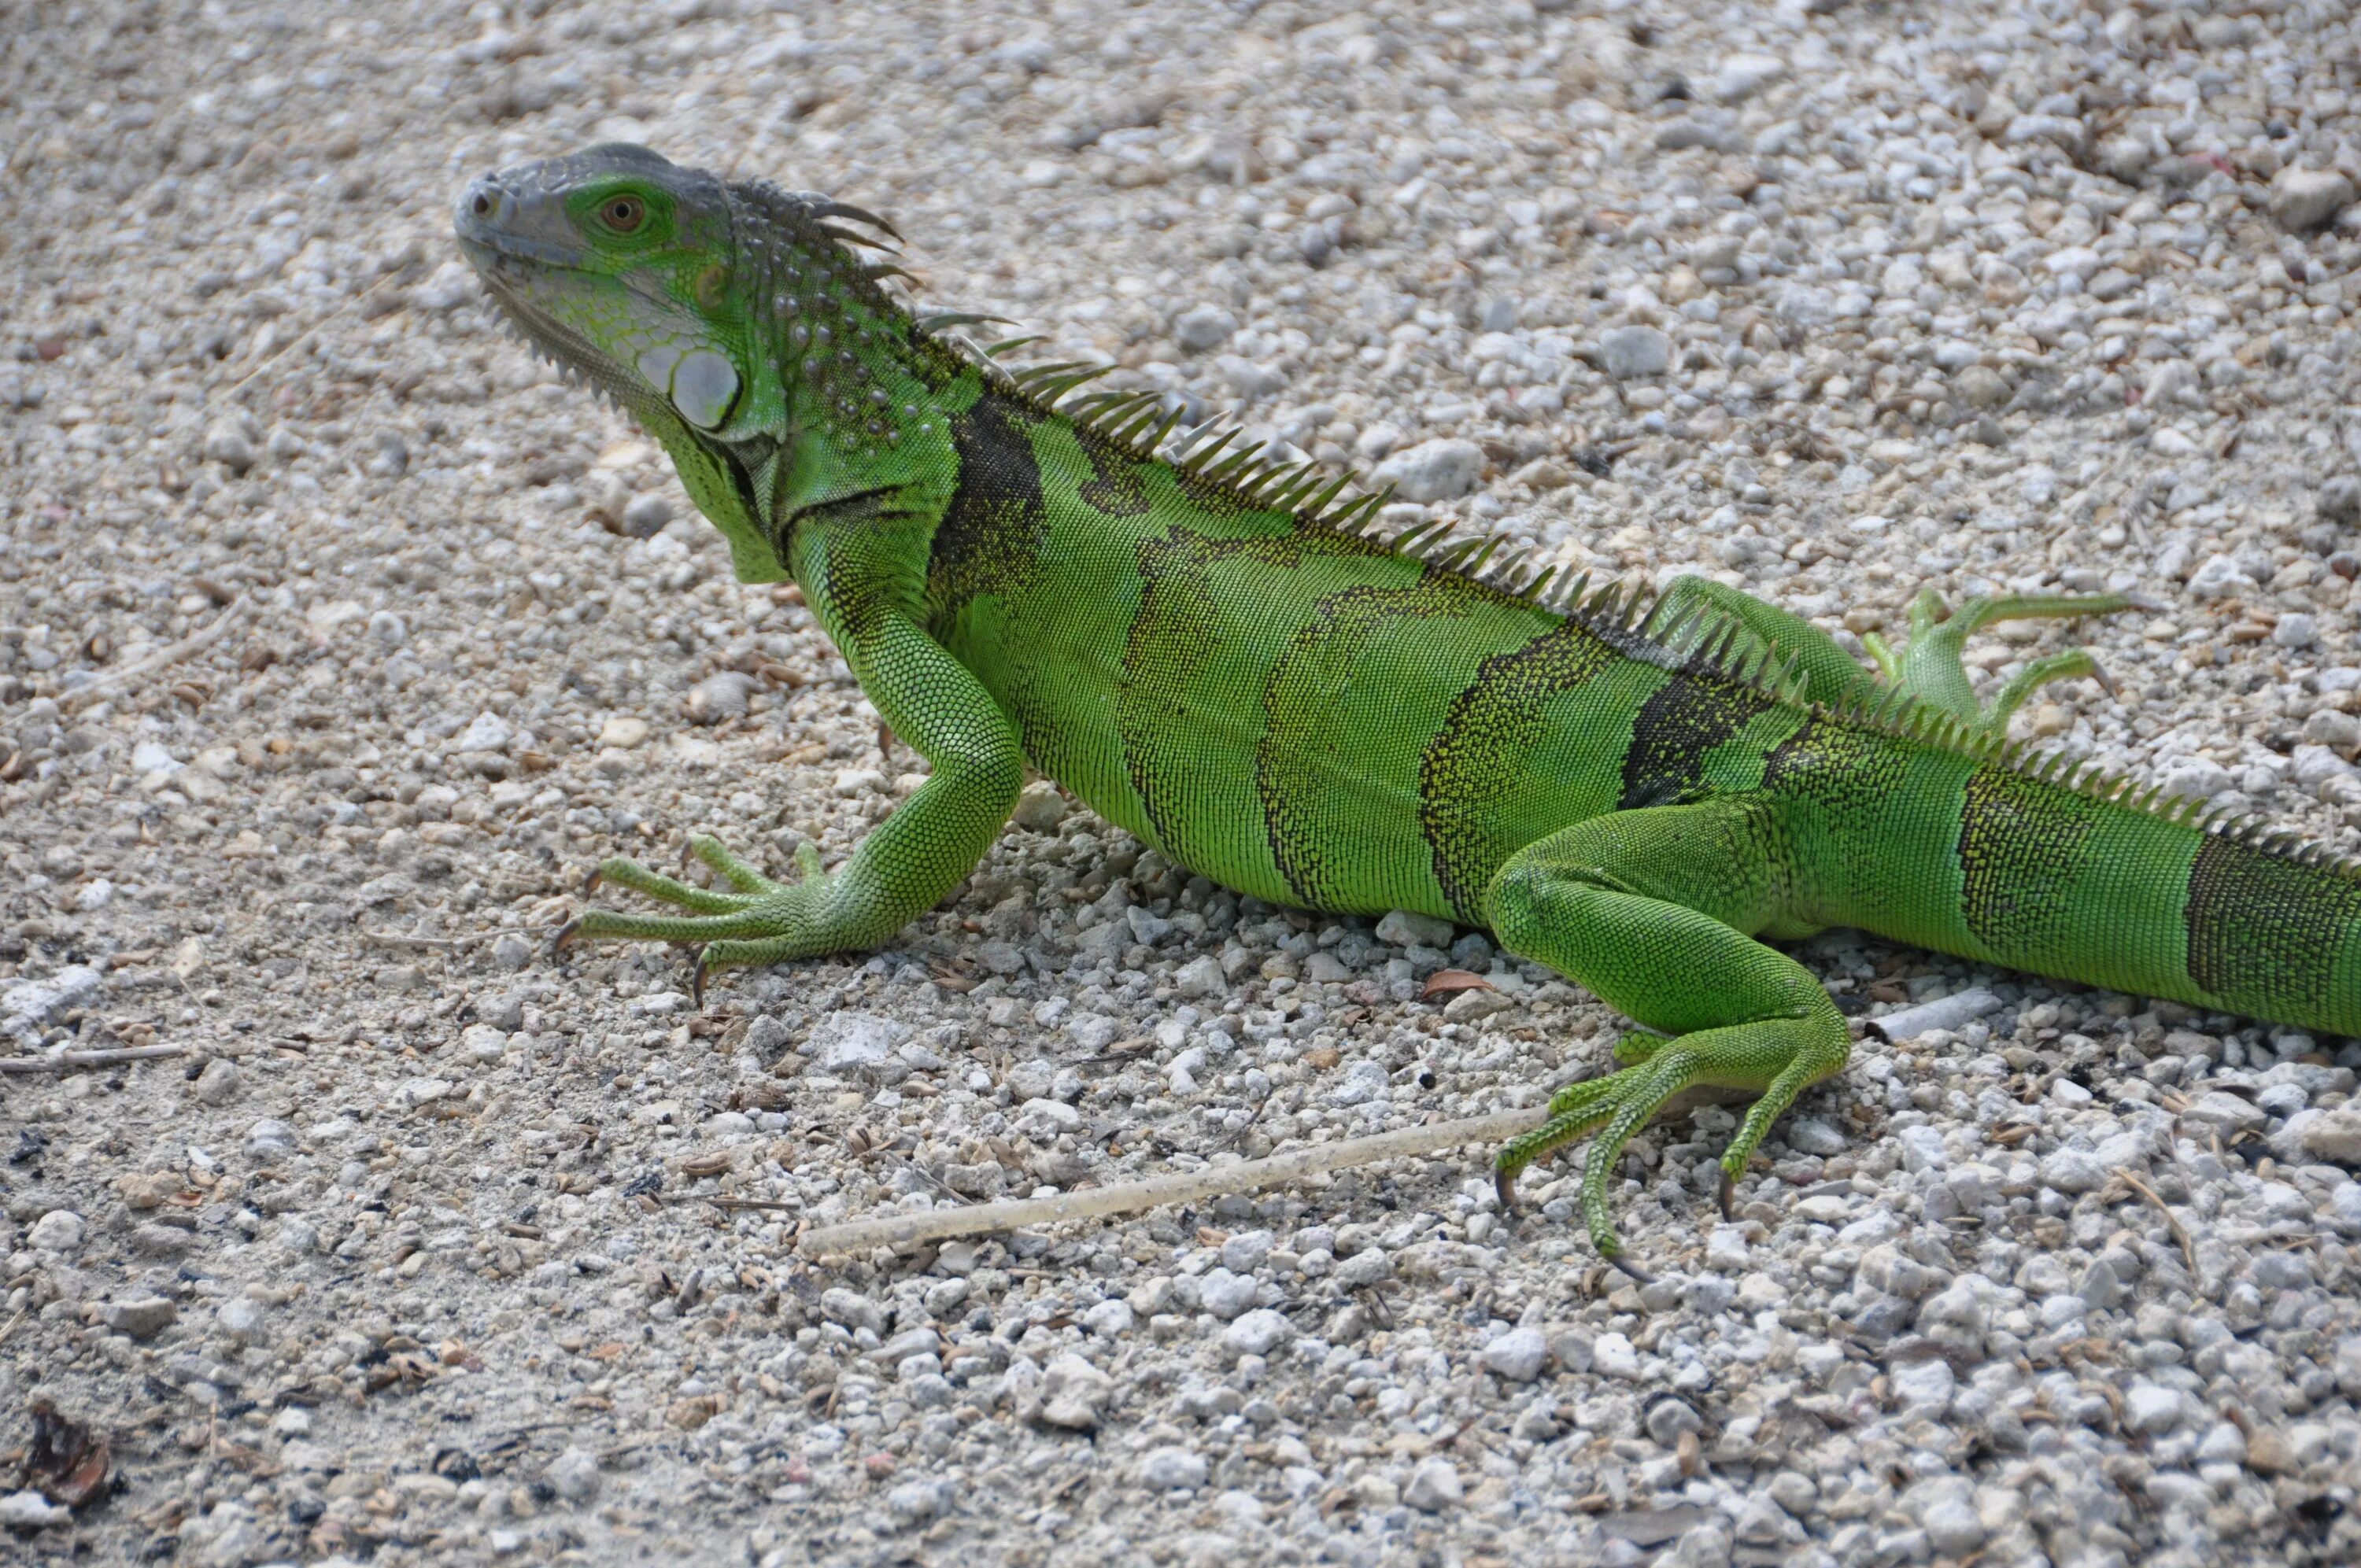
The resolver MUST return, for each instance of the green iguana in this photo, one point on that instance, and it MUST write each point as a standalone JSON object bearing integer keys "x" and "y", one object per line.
{"x": 1210, "y": 649}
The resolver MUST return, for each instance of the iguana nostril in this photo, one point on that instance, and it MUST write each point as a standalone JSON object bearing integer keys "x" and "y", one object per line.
{"x": 481, "y": 206}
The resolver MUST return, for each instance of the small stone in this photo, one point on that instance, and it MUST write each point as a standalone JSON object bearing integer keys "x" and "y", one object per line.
{"x": 722, "y": 696}
{"x": 847, "y": 1042}
{"x": 1200, "y": 976}
{"x": 1628, "y": 353}
{"x": 240, "y": 1318}
{"x": 623, "y": 730}
{"x": 1980, "y": 386}
{"x": 267, "y": 1140}
{"x": 29, "y": 1509}
{"x": 1433, "y": 1487}
{"x": 1926, "y": 1387}
{"x": 852, "y": 1309}
{"x": 1405, "y": 930}
{"x": 1243, "y": 1252}
{"x": 1614, "y": 1356}
{"x": 644, "y": 516}
{"x": 2306, "y": 199}
{"x": 2333, "y": 1135}
{"x": 1041, "y": 807}
{"x": 26, "y": 1004}
{"x": 60, "y": 1231}
{"x": 142, "y": 1318}
{"x": 2150, "y": 1408}
{"x": 573, "y": 1475}
{"x": 1943, "y": 1012}
{"x": 157, "y": 1240}
{"x": 1259, "y": 1332}
{"x": 220, "y": 1082}
{"x": 915, "y": 1503}
{"x": 1432, "y": 470}
{"x": 1224, "y": 1294}
{"x": 1668, "y": 1419}
{"x": 486, "y": 732}
{"x": 1111, "y": 1319}
{"x": 511, "y": 952}
{"x": 483, "y": 1044}
{"x": 2073, "y": 1171}
{"x": 229, "y": 446}
{"x": 1173, "y": 1469}
{"x": 1203, "y": 328}
{"x": 1951, "y": 1526}
{"x": 1741, "y": 76}
{"x": 2340, "y": 500}
{"x": 1370, "y": 1266}
{"x": 1517, "y": 1356}
{"x": 1073, "y": 1394}
{"x": 2219, "y": 1111}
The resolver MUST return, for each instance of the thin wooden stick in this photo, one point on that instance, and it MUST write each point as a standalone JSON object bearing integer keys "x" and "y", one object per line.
{"x": 2179, "y": 1232}
{"x": 171, "y": 653}
{"x": 1173, "y": 1187}
{"x": 59, "y": 1061}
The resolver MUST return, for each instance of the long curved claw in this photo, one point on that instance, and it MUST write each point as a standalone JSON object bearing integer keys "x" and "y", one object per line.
{"x": 591, "y": 880}
{"x": 565, "y": 933}
{"x": 1633, "y": 1269}
{"x": 1729, "y": 1189}
{"x": 1504, "y": 1183}
{"x": 696, "y": 973}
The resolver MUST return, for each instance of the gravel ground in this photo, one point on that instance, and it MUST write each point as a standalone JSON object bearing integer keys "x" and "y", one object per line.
{"x": 411, "y": 1256}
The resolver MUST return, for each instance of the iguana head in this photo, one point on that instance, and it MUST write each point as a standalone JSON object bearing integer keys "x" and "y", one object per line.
{"x": 625, "y": 266}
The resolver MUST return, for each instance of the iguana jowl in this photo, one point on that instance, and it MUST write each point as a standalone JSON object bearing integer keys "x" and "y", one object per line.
{"x": 1213, "y": 654}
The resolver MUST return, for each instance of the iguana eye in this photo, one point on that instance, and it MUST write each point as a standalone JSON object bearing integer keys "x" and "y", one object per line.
{"x": 623, "y": 214}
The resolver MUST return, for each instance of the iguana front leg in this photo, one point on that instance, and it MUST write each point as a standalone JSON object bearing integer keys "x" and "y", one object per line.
{"x": 853, "y": 576}
{"x": 1653, "y": 909}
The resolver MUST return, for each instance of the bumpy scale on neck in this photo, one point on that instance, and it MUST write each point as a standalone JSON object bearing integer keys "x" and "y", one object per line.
{"x": 857, "y": 405}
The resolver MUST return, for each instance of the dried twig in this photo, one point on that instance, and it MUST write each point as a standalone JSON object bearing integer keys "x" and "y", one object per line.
{"x": 171, "y": 653}
{"x": 1173, "y": 1187}
{"x": 409, "y": 941}
{"x": 59, "y": 1061}
{"x": 2171, "y": 1223}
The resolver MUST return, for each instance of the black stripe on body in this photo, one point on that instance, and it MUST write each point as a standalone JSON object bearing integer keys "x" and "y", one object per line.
{"x": 1114, "y": 487}
{"x": 991, "y": 537}
{"x": 1477, "y": 755}
{"x": 1297, "y": 763}
{"x": 1676, "y": 729}
{"x": 2265, "y": 932}
{"x": 1182, "y": 628}
{"x": 2022, "y": 848}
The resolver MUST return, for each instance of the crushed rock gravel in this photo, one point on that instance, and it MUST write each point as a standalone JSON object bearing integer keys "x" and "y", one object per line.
{"x": 428, "y": 1248}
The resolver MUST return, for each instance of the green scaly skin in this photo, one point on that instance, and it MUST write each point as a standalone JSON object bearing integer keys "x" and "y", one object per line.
{"x": 1213, "y": 656}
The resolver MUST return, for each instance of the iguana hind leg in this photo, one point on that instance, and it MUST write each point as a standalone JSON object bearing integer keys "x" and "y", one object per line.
{"x": 1828, "y": 673}
{"x": 1650, "y": 909}
{"x": 1929, "y": 666}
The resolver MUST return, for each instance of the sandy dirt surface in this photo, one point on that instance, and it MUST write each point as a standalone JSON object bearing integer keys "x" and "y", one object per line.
{"x": 338, "y": 637}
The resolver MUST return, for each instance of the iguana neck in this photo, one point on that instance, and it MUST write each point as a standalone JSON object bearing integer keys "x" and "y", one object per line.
{"x": 855, "y": 399}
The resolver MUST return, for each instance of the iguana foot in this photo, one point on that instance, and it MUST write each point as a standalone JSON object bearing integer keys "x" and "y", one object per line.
{"x": 1929, "y": 665}
{"x": 759, "y": 921}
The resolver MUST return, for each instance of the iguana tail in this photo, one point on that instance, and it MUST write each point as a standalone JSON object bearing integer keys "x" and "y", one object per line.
{"x": 2099, "y": 885}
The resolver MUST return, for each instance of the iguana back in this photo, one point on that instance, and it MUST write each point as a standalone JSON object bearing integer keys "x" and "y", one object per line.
{"x": 1325, "y": 721}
